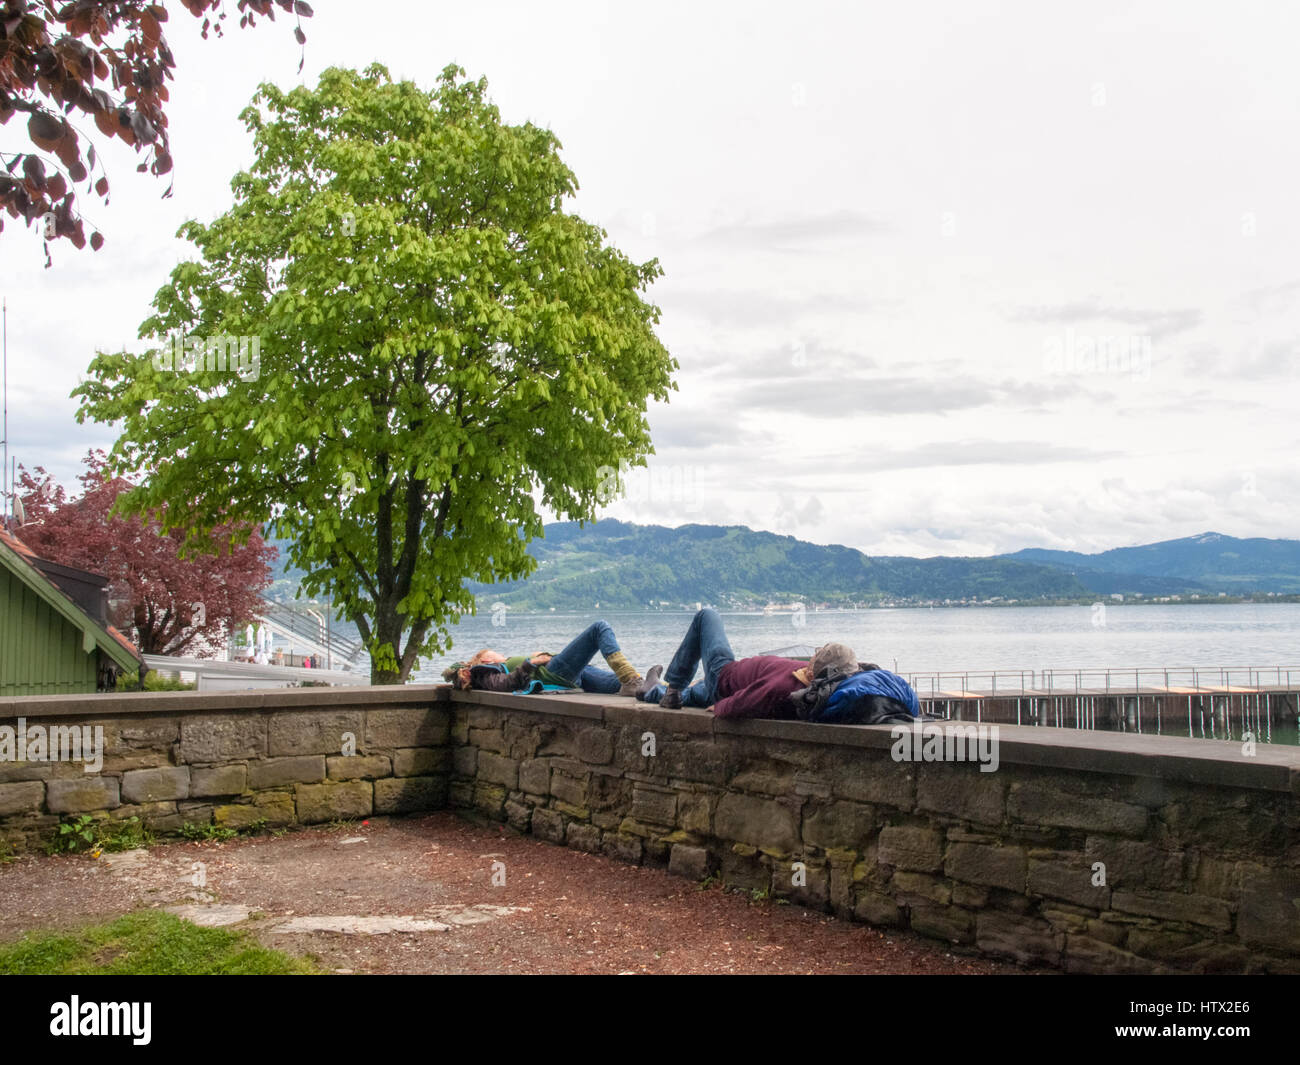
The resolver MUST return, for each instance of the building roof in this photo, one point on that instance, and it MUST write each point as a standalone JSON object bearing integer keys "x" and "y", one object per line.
{"x": 22, "y": 561}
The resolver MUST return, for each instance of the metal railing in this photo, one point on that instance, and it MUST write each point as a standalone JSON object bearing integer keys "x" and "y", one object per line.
{"x": 1103, "y": 680}
{"x": 310, "y": 626}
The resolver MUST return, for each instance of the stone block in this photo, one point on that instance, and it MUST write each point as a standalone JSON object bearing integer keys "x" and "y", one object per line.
{"x": 690, "y": 862}
{"x": 275, "y": 807}
{"x": 21, "y": 797}
{"x": 156, "y": 785}
{"x": 1083, "y": 954}
{"x": 420, "y": 761}
{"x": 518, "y": 816}
{"x": 194, "y": 813}
{"x": 697, "y": 760}
{"x": 156, "y": 815}
{"x": 583, "y": 837}
{"x": 1025, "y": 940}
{"x": 490, "y": 799}
{"x": 464, "y": 761}
{"x": 873, "y": 777}
{"x": 401, "y": 795}
{"x": 876, "y": 908}
{"x": 624, "y": 848}
{"x": 1038, "y": 803}
{"x": 766, "y": 777}
{"x": 415, "y": 726}
{"x": 236, "y": 816}
{"x": 358, "y": 767}
{"x": 695, "y": 812}
{"x": 291, "y": 732}
{"x": 596, "y": 745}
{"x": 807, "y": 782}
{"x": 496, "y": 769}
{"x": 343, "y": 801}
{"x": 25, "y": 772}
{"x": 460, "y": 794}
{"x": 762, "y": 823}
{"x": 809, "y": 885}
{"x": 276, "y": 772}
{"x": 535, "y": 777}
{"x": 82, "y": 795}
{"x": 219, "y": 780}
{"x": 914, "y": 888}
{"x": 489, "y": 739}
{"x": 970, "y": 896}
{"x": 961, "y": 791}
{"x": 656, "y": 806}
{"x": 209, "y": 738}
{"x": 1071, "y": 881}
{"x": 548, "y": 825}
{"x": 974, "y": 863}
{"x": 569, "y": 789}
{"x": 1268, "y": 914}
{"x": 839, "y": 825}
{"x": 1134, "y": 864}
{"x": 950, "y": 923}
{"x": 743, "y": 867}
{"x": 911, "y": 847}
{"x": 1174, "y": 906}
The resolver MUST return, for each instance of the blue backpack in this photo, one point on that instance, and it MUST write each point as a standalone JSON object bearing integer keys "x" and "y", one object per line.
{"x": 856, "y": 698}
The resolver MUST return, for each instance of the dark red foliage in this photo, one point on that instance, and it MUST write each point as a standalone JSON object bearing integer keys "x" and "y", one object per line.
{"x": 155, "y": 595}
{"x": 104, "y": 59}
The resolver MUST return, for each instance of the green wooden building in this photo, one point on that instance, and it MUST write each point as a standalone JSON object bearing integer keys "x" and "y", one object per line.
{"x": 55, "y": 638}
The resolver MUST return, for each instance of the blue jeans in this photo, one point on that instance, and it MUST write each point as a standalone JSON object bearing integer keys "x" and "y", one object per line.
{"x": 570, "y": 666}
{"x": 705, "y": 643}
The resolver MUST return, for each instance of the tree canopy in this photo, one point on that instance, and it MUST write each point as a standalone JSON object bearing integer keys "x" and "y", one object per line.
{"x": 440, "y": 346}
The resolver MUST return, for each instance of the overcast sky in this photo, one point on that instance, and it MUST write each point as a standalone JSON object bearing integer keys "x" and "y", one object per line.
{"x": 893, "y": 236}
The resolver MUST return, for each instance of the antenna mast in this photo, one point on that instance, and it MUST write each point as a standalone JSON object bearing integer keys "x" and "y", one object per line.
{"x": 4, "y": 311}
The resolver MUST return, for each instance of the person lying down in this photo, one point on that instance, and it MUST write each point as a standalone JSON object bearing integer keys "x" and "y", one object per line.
{"x": 490, "y": 670}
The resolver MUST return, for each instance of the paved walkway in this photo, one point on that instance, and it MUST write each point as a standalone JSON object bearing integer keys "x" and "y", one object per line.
{"x": 417, "y": 895}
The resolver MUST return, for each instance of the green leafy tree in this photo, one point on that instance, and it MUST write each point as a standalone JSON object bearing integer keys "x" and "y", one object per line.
{"x": 434, "y": 345}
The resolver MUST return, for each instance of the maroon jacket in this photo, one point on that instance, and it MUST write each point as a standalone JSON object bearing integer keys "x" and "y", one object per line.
{"x": 758, "y": 687}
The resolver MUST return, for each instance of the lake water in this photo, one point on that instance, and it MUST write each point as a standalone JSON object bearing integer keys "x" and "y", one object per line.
{"x": 914, "y": 640}
{"x": 956, "y": 639}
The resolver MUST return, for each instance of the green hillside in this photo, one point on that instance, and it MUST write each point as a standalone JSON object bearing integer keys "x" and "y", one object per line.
{"x": 618, "y": 564}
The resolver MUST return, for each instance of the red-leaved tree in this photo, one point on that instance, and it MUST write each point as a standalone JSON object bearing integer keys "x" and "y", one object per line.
{"x": 174, "y": 605}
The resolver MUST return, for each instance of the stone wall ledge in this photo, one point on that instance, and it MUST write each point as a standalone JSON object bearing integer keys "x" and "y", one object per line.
{"x": 1273, "y": 768}
{"x": 113, "y": 705}
{"x": 1213, "y": 762}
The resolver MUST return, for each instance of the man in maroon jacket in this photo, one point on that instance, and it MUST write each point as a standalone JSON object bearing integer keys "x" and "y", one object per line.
{"x": 750, "y": 687}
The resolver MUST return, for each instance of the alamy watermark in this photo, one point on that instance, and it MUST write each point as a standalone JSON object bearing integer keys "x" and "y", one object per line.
{"x": 58, "y": 743}
{"x": 933, "y": 742}
{"x": 181, "y": 353}
{"x": 1081, "y": 353}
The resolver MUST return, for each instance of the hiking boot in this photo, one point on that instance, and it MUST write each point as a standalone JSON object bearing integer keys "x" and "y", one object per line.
{"x": 651, "y": 679}
{"x": 672, "y": 699}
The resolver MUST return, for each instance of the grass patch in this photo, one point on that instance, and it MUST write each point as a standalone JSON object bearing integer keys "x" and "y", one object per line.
{"x": 149, "y": 943}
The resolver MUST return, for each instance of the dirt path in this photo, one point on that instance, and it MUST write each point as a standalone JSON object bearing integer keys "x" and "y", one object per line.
{"x": 416, "y": 895}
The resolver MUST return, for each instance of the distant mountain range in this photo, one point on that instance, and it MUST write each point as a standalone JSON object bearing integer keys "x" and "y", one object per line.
{"x": 617, "y": 564}
{"x": 625, "y": 566}
{"x": 1221, "y": 563}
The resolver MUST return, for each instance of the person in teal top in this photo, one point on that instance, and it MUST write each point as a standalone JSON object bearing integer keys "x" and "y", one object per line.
{"x": 571, "y": 668}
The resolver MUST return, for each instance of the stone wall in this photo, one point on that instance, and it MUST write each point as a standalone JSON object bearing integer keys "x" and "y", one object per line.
{"x": 1200, "y": 842}
{"x": 233, "y": 759}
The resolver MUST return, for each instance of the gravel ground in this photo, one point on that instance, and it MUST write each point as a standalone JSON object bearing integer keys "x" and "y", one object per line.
{"x": 331, "y": 893}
